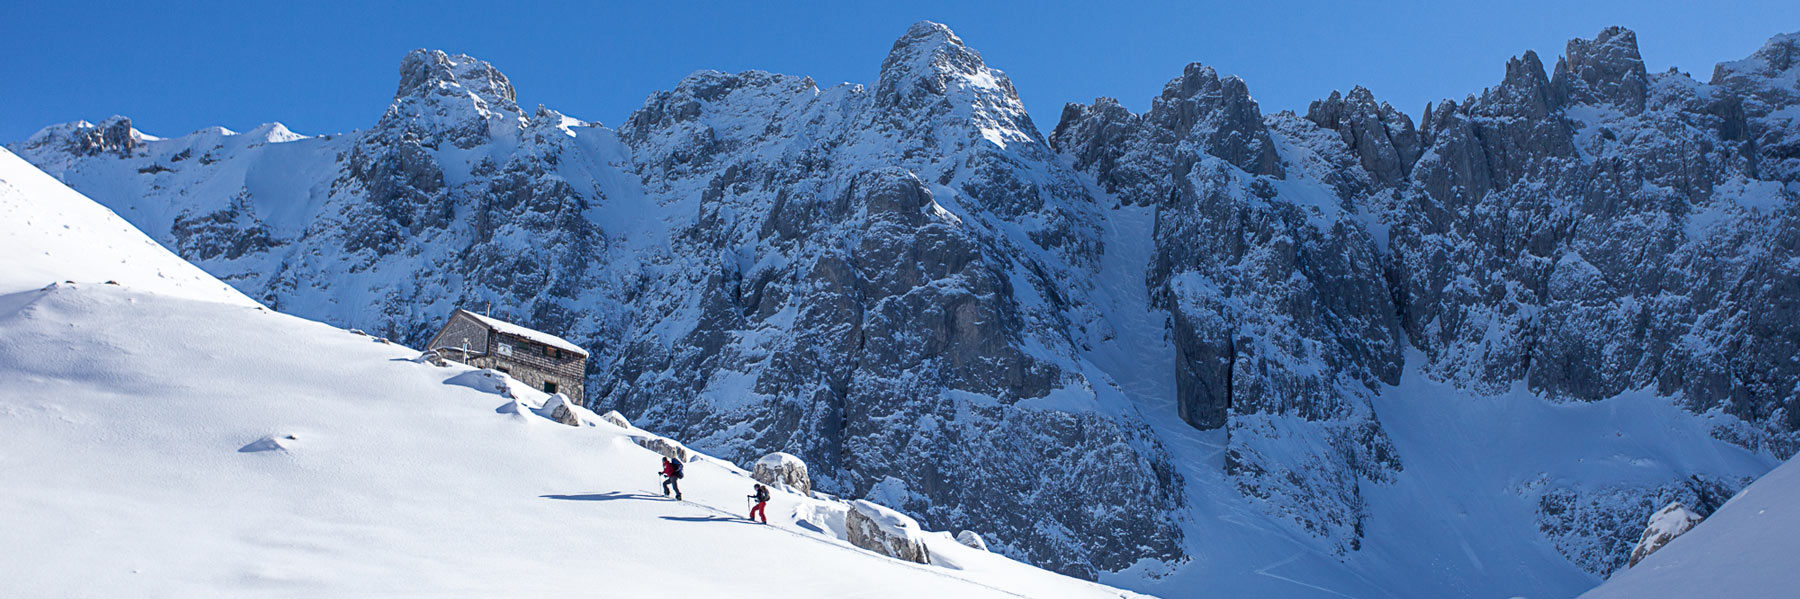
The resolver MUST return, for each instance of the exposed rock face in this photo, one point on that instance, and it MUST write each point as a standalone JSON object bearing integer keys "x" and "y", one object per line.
{"x": 1143, "y": 159}
{"x": 1599, "y": 528}
{"x": 1761, "y": 87}
{"x": 1568, "y": 231}
{"x": 665, "y": 447}
{"x": 865, "y": 263}
{"x": 1382, "y": 138}
{"x": 1669, "y": 522}
{"x": 780, "y": 470}
{"x": 1281, "y": 318}
{"x": 1604, "y": 70}
{"x": 114, "y": 136}
{"x": 1577, "y": 248}
{"x": 886, "y": 532}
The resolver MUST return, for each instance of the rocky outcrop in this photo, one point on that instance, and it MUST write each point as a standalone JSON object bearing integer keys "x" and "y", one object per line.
{"x": 560, "y": 409}
{"x": 1671, "y": 521}
{"x": 1758, "y": 106}
{"x": 972, "y": 540}
{"x": 1382, "y": 138}
{"x": 1603, "y": 70}
{"x": 665, "y": 447}
{"x": 1599, "y": 528}
{"x": 781, "y": 470}
{"x": 885, "y": 531}
{"x": 1144, "y": 158}
{"x": 227, "y": 234}
{"x": 616, "y": 419}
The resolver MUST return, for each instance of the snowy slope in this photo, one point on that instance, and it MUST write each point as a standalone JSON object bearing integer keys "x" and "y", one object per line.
{"x": 54, "y": 233}
{"x": 160, "y": 438}
{"x": 1746, "y": 549}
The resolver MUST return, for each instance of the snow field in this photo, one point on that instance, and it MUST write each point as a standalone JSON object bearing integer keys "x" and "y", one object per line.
{"x": 167, "y": 437}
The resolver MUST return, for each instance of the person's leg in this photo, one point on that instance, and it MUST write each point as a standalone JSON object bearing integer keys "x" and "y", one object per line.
{"x": 666, "y": 482}
{"x": 760, "y": 512}
{"x": 677, "y": 485}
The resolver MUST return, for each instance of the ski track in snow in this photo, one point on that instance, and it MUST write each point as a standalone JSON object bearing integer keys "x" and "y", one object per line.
{"x": 1265, "y": 571}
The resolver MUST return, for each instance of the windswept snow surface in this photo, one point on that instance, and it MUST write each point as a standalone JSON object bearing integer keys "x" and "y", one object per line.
{"x": 1746, "y": 549}
{"x": 52, "y": 233}
{"x": 162, "y": 438}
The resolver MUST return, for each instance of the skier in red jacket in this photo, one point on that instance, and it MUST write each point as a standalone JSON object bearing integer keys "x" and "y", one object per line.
{"x": 671, "y": 472}
{"x": 761, "y": 497}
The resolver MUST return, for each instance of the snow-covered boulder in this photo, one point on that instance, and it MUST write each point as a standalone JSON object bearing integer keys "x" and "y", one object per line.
{"x": 885, "y": 531}
{"x": 617, "y": 419}
{"x": 972, "y": 539}
{"x": 1666, "y": 524}
{"x": 783, "y": 469}
{"x": 560, "y": 409}
{"x": 485, "y": 381}
{"x": 667, "y": 447}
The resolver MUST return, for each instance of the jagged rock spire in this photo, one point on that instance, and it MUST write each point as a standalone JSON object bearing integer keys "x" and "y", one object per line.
{"x": 455, "y": 98}
{"x": 1607, "y": 68}
{"x": 1219, "y": 113}
{"x": 927, "y": 61}
{"x": 1383, "y": 138}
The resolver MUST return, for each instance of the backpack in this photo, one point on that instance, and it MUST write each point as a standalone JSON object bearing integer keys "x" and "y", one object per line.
{"x": 677, "y": 468}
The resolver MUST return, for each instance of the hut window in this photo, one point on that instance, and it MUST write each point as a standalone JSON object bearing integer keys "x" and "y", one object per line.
{"x": 552, "y": 352}
{"x": 550, "y": 387}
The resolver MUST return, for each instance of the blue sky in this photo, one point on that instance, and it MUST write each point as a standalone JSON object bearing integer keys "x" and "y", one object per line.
{"x": 323, "y": 67}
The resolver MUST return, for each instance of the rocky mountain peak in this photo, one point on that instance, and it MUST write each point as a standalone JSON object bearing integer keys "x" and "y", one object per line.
{"x": 1526, "y": 91}
{"x": 929, "y": 64}
{"x": 114, "y": 135}
{"x": 1220, "y": 113}
{"x": 1764, "y": 88}
{"x": 455, "y": 98}
{"x": 1777, "y": 63}
{"x": 426, "y": 71}
{"x": 1383, "y": 138}
{"x": 1606, "y": 69}
{"x": 1096, "y": 136}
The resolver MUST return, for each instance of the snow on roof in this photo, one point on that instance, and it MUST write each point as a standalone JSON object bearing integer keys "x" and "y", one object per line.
{"x": 534, "y": 335}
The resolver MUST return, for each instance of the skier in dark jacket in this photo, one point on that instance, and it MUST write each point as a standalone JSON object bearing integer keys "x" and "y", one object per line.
{"x": 761, "y": 497}
{"x": 671, "y": 472}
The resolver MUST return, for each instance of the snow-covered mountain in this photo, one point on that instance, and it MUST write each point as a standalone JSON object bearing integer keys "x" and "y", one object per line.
{"x": 1197, "y": 350}
{"x": 163, "y": 436}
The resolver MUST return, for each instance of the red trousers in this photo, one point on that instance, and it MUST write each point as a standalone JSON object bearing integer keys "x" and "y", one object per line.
{"x": 758, "y": 511}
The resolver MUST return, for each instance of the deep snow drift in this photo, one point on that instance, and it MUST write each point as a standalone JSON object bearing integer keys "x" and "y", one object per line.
{"x": 167, "y": 437}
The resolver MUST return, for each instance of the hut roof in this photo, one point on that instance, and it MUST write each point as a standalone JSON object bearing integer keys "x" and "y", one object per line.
{"x": 532, "y": 334}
